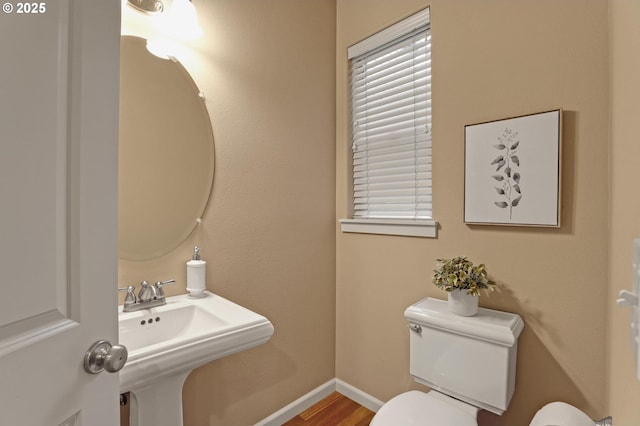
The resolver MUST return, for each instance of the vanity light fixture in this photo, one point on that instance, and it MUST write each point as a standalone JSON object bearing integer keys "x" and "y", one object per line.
{"x": 177, "y": 19}
{"x": 182, "y": 20}
{"x": 152, "y": 7}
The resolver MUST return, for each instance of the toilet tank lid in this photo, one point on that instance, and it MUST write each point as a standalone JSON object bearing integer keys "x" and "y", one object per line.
{"x": 493, "y": 326}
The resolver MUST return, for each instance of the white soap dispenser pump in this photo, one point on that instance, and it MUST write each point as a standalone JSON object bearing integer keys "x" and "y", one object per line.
{"x": 196, "y": 274}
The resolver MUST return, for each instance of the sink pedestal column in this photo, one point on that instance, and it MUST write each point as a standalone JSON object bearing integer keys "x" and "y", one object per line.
{"x": 160, "y": 403}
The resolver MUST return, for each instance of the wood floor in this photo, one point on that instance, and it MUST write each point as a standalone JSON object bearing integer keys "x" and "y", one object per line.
{"x": 335, "y": 410}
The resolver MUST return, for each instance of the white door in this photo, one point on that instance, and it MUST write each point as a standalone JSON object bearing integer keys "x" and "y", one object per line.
{"x": 59, "y": 65}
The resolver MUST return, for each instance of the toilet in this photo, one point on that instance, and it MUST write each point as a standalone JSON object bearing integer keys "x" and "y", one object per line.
{"x": 470, "y": 364}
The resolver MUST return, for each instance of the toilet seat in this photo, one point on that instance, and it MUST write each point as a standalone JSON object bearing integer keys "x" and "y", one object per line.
{"x": 415, "y": 408}
{"x": 561, "y": 413}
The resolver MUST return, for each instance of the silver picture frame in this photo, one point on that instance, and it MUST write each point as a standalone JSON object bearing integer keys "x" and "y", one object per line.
{"x": 513, "y": 171}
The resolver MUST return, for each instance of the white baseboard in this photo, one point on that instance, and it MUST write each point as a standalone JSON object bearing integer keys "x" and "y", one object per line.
{"x": 358, "y": 396}
{"x": 299, "y": 405}
{"x": 316, "y": 395}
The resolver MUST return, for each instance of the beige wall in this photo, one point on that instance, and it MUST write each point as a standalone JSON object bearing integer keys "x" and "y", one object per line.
{"x": 267, "y": 68}
{"x": 624, "y": 388}
{"x": 268, "y": 234}
{"x": 491, "y": 59}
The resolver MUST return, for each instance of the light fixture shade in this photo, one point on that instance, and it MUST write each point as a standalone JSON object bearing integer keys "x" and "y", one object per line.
{"x": 165, "y": 24}
{"x": 181, "y": 20}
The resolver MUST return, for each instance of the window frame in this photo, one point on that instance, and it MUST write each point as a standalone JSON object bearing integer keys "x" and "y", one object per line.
{"x": 426, "y": 227}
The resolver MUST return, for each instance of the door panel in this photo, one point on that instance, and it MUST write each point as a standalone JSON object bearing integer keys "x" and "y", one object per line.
{"x": 58, "y": 204}
{"x": 33, "y": 178}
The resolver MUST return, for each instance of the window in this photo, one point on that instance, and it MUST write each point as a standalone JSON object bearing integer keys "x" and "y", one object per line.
{"x": 391, "y": 130}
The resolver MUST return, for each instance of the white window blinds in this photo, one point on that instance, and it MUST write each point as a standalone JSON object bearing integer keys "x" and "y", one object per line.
{"x": 391, "y": 119}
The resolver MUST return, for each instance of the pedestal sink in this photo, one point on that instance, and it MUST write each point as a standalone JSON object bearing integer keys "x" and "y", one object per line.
{"x": 165, "y": 343}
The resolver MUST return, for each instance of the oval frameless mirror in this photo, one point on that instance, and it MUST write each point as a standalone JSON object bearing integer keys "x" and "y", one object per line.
{"x": 166, "y": 158}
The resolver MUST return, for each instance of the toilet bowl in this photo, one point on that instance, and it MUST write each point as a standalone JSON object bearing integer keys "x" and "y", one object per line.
{"x": 469, "y": 364}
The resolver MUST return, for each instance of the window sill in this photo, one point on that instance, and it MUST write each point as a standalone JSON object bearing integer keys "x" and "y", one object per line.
{"x": 410, "y": 228}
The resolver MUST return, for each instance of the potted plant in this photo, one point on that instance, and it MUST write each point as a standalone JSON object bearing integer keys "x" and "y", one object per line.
{"x": 462, "y": 281}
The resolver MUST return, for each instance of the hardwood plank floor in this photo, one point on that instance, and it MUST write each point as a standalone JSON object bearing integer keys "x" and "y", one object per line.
{"x": 335, "y": 410}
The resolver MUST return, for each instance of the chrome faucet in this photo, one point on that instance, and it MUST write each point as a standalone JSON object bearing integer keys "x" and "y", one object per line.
{"x": 149, "y": 296}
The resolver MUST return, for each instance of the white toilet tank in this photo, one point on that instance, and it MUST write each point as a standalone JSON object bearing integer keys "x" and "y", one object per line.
{"x": 469, "y": 358}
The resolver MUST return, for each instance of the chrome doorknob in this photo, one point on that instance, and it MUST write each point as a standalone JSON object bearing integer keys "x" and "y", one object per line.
{"x": 104, "y": 356}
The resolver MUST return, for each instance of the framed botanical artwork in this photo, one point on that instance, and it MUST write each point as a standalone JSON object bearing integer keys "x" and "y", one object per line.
{"x": 512, "y": 171}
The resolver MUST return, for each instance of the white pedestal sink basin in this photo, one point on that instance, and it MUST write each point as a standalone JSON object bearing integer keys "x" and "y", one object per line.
{"x": 166, "y": 342}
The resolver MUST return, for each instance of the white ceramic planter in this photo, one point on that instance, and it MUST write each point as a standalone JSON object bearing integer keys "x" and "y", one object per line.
{"x": 463, "y": 304}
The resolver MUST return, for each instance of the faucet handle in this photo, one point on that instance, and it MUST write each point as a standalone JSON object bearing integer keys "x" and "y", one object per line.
{"x": 159, "y": 284}
{"x": 130, "y": 298}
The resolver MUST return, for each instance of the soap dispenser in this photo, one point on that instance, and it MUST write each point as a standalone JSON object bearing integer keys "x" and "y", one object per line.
{"x": 196, "y": 273}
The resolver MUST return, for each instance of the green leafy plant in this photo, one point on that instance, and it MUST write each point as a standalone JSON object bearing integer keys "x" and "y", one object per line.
{"x": 460, "y": 273}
